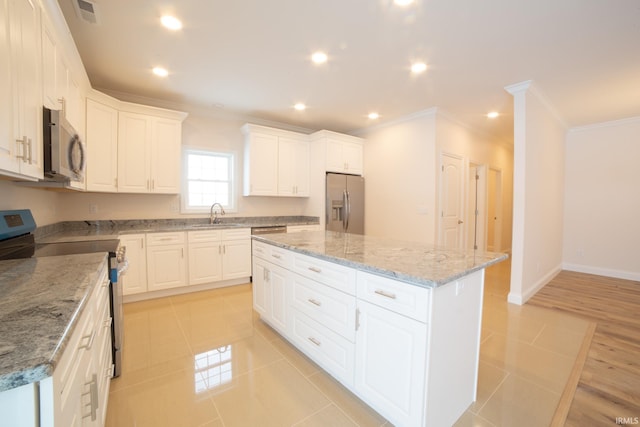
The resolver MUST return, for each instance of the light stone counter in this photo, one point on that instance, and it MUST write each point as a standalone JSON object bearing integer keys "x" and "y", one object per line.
{"x": 415, "y": 263}
{"x": 106, "y": 229}
{"x": 40, "y": 302}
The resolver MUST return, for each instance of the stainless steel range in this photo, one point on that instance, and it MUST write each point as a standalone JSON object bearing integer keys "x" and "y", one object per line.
{"x": 17, "y": 241}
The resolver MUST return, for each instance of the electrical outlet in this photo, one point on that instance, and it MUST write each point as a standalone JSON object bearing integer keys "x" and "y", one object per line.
{"x": 174, "y": 207}
{"x": 93, "y": 209}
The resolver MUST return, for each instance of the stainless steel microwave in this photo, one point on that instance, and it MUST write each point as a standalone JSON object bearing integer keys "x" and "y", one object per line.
{"x": 64, "y": 152}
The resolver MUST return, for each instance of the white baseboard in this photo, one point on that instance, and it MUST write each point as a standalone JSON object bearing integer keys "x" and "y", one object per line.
{"x": 599, "y": 271}
{"x": 184, "y": 290}
{"x": 521, "y": 299}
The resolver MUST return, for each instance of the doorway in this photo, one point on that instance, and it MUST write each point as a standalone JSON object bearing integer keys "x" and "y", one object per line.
{"x": 476, "y": 207}
{"x": 494, "y": 210}
{"x": 451, "y": 228}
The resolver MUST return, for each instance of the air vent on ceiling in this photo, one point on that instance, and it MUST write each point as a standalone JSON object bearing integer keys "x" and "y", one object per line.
{"x": 86, "y": 10}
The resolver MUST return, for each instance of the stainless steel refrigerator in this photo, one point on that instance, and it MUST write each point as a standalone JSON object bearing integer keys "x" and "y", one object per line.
{"x": 345, "y": 203}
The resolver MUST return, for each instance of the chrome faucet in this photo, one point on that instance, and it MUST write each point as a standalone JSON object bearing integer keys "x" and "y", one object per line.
{"x": 213, "y": 215}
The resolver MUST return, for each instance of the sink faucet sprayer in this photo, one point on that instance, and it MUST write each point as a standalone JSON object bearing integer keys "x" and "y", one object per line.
{"x": 213, "y": 216}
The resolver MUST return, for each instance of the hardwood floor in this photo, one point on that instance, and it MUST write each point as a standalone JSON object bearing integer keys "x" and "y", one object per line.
{"x": 609, "y": 386}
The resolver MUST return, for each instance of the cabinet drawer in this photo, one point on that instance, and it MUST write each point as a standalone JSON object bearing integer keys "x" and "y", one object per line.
{"x": 261, "y": 250}
{"x": 158, "y": 239}
{"x": 306, "y": 227}
{"x": 331, "y": 351}
{"x": 331, "y": 308}
{"x": 336, "y": 276}
{"x": 203, "y": 236}
{"x": 409, "y": 300}
{"x": 279, "y": 256}
{"x": 236, "y": 234}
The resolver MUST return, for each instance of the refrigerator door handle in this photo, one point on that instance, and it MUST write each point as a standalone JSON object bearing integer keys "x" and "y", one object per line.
{"x": 345, "y": 213}
{"x": 348, "y": 209}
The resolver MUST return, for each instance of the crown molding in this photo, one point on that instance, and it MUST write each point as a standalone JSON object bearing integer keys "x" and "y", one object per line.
{"x": 611, "y": 123}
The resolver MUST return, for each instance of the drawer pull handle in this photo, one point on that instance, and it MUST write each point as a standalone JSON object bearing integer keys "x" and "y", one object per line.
{"x": 93, "y": 396}
{"x": 314, "y": 302}
{"x": 276, "y": 256}
{"x": 315, "y": 269}
{"x": 315, "y": 341}
{"x": 385, "y": 294}
{"x": 89, "y": 344}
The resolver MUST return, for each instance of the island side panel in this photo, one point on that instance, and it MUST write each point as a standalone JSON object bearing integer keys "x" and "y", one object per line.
{"x": 454, "y": 349}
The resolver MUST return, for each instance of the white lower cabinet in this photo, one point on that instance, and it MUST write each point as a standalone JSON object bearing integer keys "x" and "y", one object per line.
{"x": 390, "y": 363}
{"x": 77, "y": 393}
{"x": 270, "y": 293}
{"x": 408, "y": 351}
{"x": 166, "y": 261}
{"x": 216, "y": 255}
{"x": 134, "y": 280}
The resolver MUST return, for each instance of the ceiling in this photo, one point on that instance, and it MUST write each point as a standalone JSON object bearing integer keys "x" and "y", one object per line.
{"x": 252, "y": 57}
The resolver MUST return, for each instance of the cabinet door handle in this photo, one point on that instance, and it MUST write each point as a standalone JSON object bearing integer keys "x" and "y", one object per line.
{"x": 357, "y": 319}
{"x": 224, "y": 249}
{"x": 29, "y": 144}
{"x": 314, "y": 302}
{"x": 147, "y": 184}
{"x": 21, "y": 142}
{"x": 385, "y": 294}
{"x": 315, "y": 269}
{"x": 276, "y": 256}
{"x": 93, "y": 397}
{"x": 107, "y": 323}
{"x": 88, "y": 345}
{"x": 315, "y": 341}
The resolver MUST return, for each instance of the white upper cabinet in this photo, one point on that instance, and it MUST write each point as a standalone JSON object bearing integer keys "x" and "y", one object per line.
{"x": 343, "y": 153}
{"x": 276, "y": 162}
{"x": 134, "y": 140}
{"x": 149, "y": 153}
{"x": 293, "y": 167}
{"x": 102, "y": 146}
{"x": 261, "y": 165}
{"x": 20, "y": 137}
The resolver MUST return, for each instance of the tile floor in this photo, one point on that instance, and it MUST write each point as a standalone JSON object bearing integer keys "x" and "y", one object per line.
{"x": 206, "y": 359}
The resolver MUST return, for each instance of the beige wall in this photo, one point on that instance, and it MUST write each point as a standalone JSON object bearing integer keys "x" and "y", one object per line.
{"x": 538, "y": 193}
{"x": 602, "y": 199}
{"x": 401, "y": 171}
{"x": 454, "y": 138}
{"x": 43, "y": 204}
{"x": 399, "y": 164}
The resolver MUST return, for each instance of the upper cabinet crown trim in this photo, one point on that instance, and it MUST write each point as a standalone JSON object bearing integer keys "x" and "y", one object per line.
{"x": 130, "y": 107}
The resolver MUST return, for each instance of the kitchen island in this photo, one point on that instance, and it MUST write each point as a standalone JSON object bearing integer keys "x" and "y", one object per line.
{"x": 397, "y": 323}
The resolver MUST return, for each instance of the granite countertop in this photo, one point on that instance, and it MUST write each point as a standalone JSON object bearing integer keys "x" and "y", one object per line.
{"x": 106, "y": 229}
{"x": 41, "y": 300}
{"x": 419, "y": 264}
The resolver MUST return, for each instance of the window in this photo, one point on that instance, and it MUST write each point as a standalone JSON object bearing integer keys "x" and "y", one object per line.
{"x": 208, "y": 179}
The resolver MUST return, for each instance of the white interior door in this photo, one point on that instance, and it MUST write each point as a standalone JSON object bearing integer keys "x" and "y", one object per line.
{"x": 494, "y": 210}
{"x": 451, "y": 201}
{"x": 476, "y": 207}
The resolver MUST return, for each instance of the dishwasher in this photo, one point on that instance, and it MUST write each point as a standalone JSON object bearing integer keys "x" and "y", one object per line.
{"x": 271, "y": 229}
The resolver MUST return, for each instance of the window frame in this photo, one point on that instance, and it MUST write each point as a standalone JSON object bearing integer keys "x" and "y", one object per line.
{"x": 231, "y": 156}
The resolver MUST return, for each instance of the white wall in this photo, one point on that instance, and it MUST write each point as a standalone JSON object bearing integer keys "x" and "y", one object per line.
{"x": 538, "y": 193}
{"x": 400, "y": 186}
{"x": 454, "y": 138}
{"x": 43, "y": 204}
{"x": 602, "y": 199}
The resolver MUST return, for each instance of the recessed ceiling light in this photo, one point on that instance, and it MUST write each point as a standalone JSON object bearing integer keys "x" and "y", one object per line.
{"x": 300, "y": 106}
{"x": 161, "y": 72}
{"x": 373, "y": 115}
{"x": 403, "y": 2}
{"x": 171, "y": 22}
{"x": 493, "y": 114}
{"x": 418, "y": 67}
{"x": 319, "y": 57}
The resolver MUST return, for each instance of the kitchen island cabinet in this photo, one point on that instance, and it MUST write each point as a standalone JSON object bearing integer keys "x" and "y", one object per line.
{"x": 55, "y": 324}
{"x": 397, "y": 323}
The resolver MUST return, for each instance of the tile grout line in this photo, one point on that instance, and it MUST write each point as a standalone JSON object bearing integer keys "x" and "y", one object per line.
{"x": 492, "y": 393}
